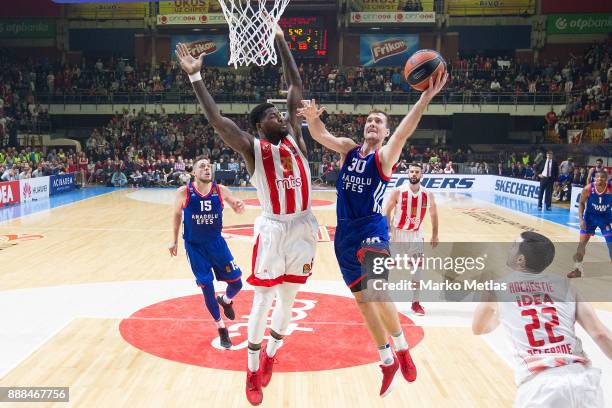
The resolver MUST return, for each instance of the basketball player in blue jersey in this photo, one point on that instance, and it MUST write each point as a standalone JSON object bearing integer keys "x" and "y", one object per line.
{"x": 595, "y": 211}
{"x": 200, "y": 205}
{"x": 362, "y": 233}
{"x": 593, "y": 170}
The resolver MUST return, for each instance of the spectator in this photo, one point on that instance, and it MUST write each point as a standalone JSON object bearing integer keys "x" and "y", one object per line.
{"x": 449, "y": 168}
{"x": 118, "y": 179}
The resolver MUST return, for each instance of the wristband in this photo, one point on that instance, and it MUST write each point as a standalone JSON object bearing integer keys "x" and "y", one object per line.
{"x": 195, "y": 77}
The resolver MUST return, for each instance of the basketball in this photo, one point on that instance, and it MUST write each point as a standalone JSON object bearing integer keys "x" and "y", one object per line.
{"x": 422, "y": 65}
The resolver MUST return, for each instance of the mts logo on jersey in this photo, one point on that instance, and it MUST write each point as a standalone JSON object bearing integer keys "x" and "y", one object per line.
{"x": 289, "y": 183}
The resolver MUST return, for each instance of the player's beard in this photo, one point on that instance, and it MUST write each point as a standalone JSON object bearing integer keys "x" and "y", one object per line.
{"x": 414, "y": 180}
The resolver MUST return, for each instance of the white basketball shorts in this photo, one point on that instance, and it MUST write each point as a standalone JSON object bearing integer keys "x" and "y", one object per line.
{"x": 284, "y": 249}
{"x": 570, "y": 386}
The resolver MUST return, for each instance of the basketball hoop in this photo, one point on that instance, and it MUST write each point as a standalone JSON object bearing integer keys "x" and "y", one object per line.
{"x": 251, "y": 30}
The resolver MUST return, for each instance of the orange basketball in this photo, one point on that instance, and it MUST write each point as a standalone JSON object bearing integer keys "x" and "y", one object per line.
{"x": 421, "y": 66}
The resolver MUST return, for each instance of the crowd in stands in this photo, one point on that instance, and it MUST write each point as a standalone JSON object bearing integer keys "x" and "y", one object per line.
{"x": 591, "y": 76}
{"x": 140, "y": 149}
{"x": 468, "y": 74}
{"x": 584, "y": 79}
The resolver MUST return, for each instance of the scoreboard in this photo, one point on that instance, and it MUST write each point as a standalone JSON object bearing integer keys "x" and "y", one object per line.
{"x": 306, "y": 36}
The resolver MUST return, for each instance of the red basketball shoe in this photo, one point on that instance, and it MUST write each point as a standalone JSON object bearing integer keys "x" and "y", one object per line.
{"x": 265, "y": 366}
{"x": 253, "y": 387}
{"x": 418, "y": 309}
{"x": 409, "y": 370}
{"x": 389, "y": 377}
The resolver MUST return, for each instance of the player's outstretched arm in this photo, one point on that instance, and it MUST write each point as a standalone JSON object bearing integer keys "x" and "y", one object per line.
{"x": 390, "y": 153}
{"x": 177, "y": 217}
{"x": 311, "y": 113}
{"x": 240, "y": 141}
{"x": 233, "y": 201}
{"x": 389, "y": 204}
{"x": 294, "y": 83}
{"x": 586, "y": 316}
{"x": 486, "y": 317}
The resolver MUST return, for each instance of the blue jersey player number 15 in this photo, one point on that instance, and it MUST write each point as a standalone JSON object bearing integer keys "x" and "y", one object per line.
{"x": 199, "y": 206}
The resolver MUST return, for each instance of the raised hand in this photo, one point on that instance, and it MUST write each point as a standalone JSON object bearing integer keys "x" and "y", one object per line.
{"x": 238, "y": 206}
{"x": 309, "y": 110}
{"x": 189, "y": 64}
{"x": 434, "y": 87}
{"x": 278, "y": 31}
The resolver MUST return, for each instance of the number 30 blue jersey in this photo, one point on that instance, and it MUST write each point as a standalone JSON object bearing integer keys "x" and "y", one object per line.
{"x": 360, "y": 186}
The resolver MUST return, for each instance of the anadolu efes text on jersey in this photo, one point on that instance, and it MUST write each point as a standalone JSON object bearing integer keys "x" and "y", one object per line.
{"x": 202, "y": 214}
{"x": 281, "y": 177}
{"x": 360, "y": 186}
{"x": 599, "y": 204}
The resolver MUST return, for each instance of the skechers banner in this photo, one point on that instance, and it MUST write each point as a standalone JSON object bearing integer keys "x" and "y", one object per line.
{"x": 387, "y": 49}
{"x": 528, "y": 189}
{"x": 594, "y": 23}
{"x": 63, "y": 183}
{"x": 468, "y": 183}
{"x": 34, "y": 188}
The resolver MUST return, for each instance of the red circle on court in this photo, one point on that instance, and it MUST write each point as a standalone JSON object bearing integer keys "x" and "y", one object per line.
{"x": 314, "y": 203}
{"x": 326, "y": 332}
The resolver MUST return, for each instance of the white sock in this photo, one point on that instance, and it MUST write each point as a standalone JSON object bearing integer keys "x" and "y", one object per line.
{"x": 220, "y": 324}
{"x": 579, "y": 266}
{"x": 226, "y": 300}
{"x": 273, "y": 346}
{"x": 253, "y": 362}
{"x": 399, "y": 341}
{"x": 386, "y": 355}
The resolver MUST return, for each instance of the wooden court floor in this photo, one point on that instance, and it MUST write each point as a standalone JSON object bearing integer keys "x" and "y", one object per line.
{"x": 73, "y": 274}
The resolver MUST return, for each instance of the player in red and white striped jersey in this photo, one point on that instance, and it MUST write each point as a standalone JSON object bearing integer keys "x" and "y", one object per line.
{"x": 539, "y": 311}
{"x": 405, "y": 208}
{"x": 287, "y": 230}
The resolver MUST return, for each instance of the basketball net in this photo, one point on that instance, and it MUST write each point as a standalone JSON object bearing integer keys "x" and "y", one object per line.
{"x": 251, "y": 30}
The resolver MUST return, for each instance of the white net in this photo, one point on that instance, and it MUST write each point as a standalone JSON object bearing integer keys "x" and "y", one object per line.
{"x": 251, "y": 30}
